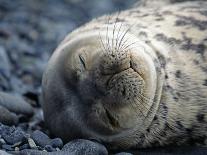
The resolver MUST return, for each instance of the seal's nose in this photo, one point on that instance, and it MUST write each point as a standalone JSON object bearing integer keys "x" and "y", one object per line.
{"x": 114, "y": 62}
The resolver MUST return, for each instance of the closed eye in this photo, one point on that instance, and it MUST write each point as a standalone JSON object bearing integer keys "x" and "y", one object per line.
{"x": 82, "y": 61}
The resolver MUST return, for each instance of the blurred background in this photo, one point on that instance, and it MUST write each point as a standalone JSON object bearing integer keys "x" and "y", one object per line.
{"x": 30, "y": 30}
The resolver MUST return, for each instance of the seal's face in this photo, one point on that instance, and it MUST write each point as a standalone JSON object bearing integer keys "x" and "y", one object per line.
{"x": 116, "y": 81}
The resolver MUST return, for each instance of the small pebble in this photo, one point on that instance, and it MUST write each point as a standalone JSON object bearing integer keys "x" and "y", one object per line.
{"x": 123, "y": 153}
{"x": 7, "y": 147}
{"x": 4, "y": 153}
{"x": 49, "y": 148}
{"x": 40, "y": 138}
{"x": 57, "y": 142}
{"x": 12, "y": 135}
{"x": 23, "y": 147}
{"x": 15, "y": 104}
{"x": 82, "y": 146}
{"x": 32, "y": 143}
{"x": 35, "y": 152}
{"x": 2, "y": 141}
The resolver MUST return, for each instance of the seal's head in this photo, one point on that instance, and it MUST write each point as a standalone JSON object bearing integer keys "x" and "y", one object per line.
{"x": 103, "y": 85}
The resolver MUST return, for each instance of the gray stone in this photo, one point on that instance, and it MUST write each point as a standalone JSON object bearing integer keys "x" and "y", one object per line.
{"x": 12, "y": 135}
{"x": 57, "y": 142}
{"x": 123, "y": 153}
{"x": 84, "y": 147}
{"x": 40, "y": 138}
{"x": 33, "y": 152}
{"x": 15, "y": 104}
{"x": 7, "y": 147}
{"x": 32, "y": 144}
{"x": 49, "y": 148}
{"x": 7, "y": 117}
{"x": 5, "y": 66}
{"x": 25, "y": 146}
{"x": 4, "y": 153}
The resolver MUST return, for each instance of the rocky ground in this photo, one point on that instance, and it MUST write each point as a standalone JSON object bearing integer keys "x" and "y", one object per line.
{"x": 29, "y": 32}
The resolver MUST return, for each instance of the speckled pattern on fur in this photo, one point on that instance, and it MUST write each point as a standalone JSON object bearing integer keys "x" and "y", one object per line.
{"x": 178, "y": 35}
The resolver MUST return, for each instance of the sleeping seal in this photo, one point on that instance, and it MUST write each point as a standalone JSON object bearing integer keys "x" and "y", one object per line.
{"x": 134, "y": 79}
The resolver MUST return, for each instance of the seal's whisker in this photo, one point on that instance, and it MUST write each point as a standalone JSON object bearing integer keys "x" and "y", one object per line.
{"x": 124, "y": 34}
{"x": 116, "y": 21}
{"x": 107, "y": 37}
{"x": 117, "y": 37}
{"x": 102, "y": 44}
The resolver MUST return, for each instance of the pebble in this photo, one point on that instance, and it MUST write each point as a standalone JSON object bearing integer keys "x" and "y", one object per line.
{"x": 15, "y": 104}
{"x": 82, "y": 146}
{"x": 40, "y": 138}
{"x": 57, "y": 142}
{"x": 49, "y": 148}
{"x": 7, "y": 147}
{"x": 32, "y": 143}
{"x": 4, "y": 153}
{"x": 123, "y": 153}
{"x": 12, "y": 135}
{"x": 5, "y": 66}
{"x": 7, "y": 117}
{"x": 23, "y": 147}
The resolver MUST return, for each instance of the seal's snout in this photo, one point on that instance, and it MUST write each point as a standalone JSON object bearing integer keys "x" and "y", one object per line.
{"x": 114, "y": 62}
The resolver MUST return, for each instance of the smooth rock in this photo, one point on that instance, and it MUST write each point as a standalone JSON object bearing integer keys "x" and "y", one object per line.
{"x": 49, "y": 148}
{"x": 32, "y": 144}
{"x": 7, "y": 117}
{"x": 82, "y": 146}
{"x": 15, "y": 104}
{"x": 40, "y": 138}
{"x": 123, "y": 153}
{"x": 57, "y": 142}
{"x": 7, "y": 147}
{"x": 33, "y": 152}
{"x": 5, "y": 65}
{"x": 23, "y": 147}
{"x": 4, "y": 153}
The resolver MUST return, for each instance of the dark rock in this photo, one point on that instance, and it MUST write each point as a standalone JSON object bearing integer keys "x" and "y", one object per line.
{"x": 5, "y": 66}
{"x": 4, "y": 153}
{"x": 82, "y": 146}
{"x": 12, "y": 135}
{"x": 40, "y": 138}
{"x": 33, "y": 152}
{"x": 7, "y": 147}
{"x": 57, "y": 142}
{"x": 123, "y": 153}
{"x": 7, "y": 117}
{"x": 15, "y": 104}
{"x": 49, "y": 148}
{"x": 23, "y": 147}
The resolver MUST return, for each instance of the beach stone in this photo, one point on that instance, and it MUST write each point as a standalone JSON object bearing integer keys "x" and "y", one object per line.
{"x": 33, "y": 152}
{"x": 49, "y": 148}
{"x": 32, "y": 144}
{"x": 15, "y": 104}
{"x": 5, "y": 65}
{"x": 23, "y": 147}
{"x": 4, "y": 153}
{"x": 40, "y": 138}
{"x": 12, "y": 135}
{"x": 7, "y": 147}
{"x": 123, "y": 153}
{"x": 7, "y": 117}
{"x": 82, "y": 146}
{"x": 57, "y": 142}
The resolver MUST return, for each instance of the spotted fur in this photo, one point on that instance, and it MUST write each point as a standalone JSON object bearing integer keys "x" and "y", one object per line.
{"x": 179, "y": 34}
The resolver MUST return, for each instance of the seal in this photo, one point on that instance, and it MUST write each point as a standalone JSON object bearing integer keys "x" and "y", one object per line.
{"x": 133, "y": 79}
